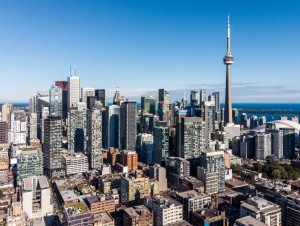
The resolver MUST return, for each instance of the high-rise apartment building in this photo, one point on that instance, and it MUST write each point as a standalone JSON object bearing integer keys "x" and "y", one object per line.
{"x": 3, "y": 133}
{"x": 190, "y": 137}
{"x": 177, "y": 167}
{"x": 6, "y": 111}
{"x": 52, "y": 146}
{"x": 56, "y": 101}
{"x": 29, "y": 163}
{"x": 160, "y": 144}
{"x": 194, "y": 98}
{"x": 74, "y": 163}
{"x": 18, "y": 127}
{"x": 77, "y": 125}
{"x": 288, "y": 142}
{"x": 202, "y": 96}
{"x": 73, "y": 91}
{"x": 263, "y": 145}
{"x": 35, "y": 195}
{"x": 212, "y": 171}
{"x": 128, "y": 125}
{"x": 277, "y": 143}
{"x": 94, "y": 136}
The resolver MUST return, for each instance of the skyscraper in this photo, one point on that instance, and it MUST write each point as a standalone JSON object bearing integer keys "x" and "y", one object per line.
{"x": 228, "y": 61}
{"x": 128, "y": 125}
{"x": 73, "y": 90}
{"x": 101, "y": 96}
{"x": 64, "y": 87}
{"x": 149, "y": 104}
{"x": 202, "y": 96}
{"x": 194, "y": 98}
{"x": 86, "y": 92}
{"x": 52, "y": 146}
{"x": 160, "y": 144}
{"x": 56, "y": 105}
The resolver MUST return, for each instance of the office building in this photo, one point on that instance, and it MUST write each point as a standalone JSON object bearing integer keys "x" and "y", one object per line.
{"x": 159, "y": 173}
{"x": 288, "y": 142}
{"x": 101, "y": 203}
{"x": 64, "y": 88}
{"x": 35, "y": 196}
{"x": 85, "y": 93}
{"x": 137, "y": 215}
{"x": 165, "y": 210}
{"x": 101, "y": 96}
{"x": 73, "y": 91}
{"x": 6, "y": 111}
{"x": 144, "y": 147}
{"x": 262, "y": 210}
{"x": 216, "y": 97}
{"x": 149, "y": 104}
{"x": 160, "y": 144}
{"x": 263, "y": 145}
{"x": 247, "y": 146}
{"x": 194, "y": 98}
{"x": 190, "y": 137}
{"x": 91, "y": 100}
{"x": 77, "y": 126}
{"x": 128, "y": 125}
{"x": 52, "y": 147}
{"x": 192, "y": 200}
{"x": 212, "y": 171}
{"x": 277, "y": 143}
{"x": 76, "y": 163}
{"x": 202, "y": 96}
{"x": 56, "y": 101}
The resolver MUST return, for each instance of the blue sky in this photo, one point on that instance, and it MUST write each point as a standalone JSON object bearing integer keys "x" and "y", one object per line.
{"x": 143, "y": 45}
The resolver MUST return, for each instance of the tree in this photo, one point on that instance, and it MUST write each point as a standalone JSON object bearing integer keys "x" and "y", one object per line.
{"x": 257, "y": 167}
{"x": 276, "y": 174}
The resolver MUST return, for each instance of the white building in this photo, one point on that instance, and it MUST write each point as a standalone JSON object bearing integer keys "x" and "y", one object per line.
{"x": 35, "y": 197}
{"x": 73, "y": 90}
{"x": 263, "y": 145}
{"x": 75, "y": 163}
{"x": 262, "y": 210}
{"x": 18, "y": 127}
{"x": 165, "y": 210}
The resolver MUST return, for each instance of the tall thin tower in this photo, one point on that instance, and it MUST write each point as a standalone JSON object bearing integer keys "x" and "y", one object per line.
{"x": 228, "y": 60}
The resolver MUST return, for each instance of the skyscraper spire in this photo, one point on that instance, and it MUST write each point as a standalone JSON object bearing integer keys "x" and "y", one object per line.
{"x": 228, "y": 60}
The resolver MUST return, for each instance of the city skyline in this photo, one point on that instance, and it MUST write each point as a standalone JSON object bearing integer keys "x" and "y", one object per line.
{"x": 178, "y": 45}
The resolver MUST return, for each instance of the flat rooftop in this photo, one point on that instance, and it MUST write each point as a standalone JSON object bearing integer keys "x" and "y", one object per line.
{"x": 76, "y": 209}
{"x": 103, "y": 218}
{"x": 192, "y": 194}
{"x": 250, "y": 221}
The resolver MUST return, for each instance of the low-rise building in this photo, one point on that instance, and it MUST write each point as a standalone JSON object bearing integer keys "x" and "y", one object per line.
{"x": 77, "y": 214}
{"x": 137, "y": 215}
{"x": 103, "y": 219}
{"x": 101, "y": 203}
{"x": 248, "y": 221}
{"x": 75, "y": 163}
{"x": 208, "y": 217}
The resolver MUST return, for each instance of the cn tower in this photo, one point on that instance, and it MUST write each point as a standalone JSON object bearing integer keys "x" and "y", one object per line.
{"x": 228, "y": 60}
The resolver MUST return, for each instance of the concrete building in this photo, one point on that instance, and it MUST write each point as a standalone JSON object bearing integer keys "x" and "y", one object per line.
{"x": 248, "y": 221}
{"x": 77, "y": 127}
{"x": 6, "y": 111}
{"x": 128, "y": 125}
{"x": 212, "y": 171}
{"x": 3, "y": 133}
{"x": 149, "y": 104}
{"x": 77, "y": 214}
{"x": 35, "y": 195}
{"x": 74, "y": 163}
{"x": 277, "y": 143}
{"x": 129, "y": 159}
{"x": 207, "y": 217}
{"x": 94, "y": 137}
{"x": 73, "y": 91}
{"x": 192, "y": 200}
{"x": 64, "y": 87}
{"x": 158, "y": 173}
{"x": 228, "y": 61}
{"x": 103, "y": 219}
{"x": 160, "y": 144}
{"x": 263, "y": 145}
{"x": 18, "y": 127}
{"x": 262, "y": 210}
{"x": 52, "y": 147}
{"x": 137, "y": 215}
{"x": 134, "y": 188}
{"x": 165, "y": 210}
{"x": 109, "y": 182}
{"x": 190, "y": 137}
{"x": 176, "y": 167}
{"x": 32, "y": 130}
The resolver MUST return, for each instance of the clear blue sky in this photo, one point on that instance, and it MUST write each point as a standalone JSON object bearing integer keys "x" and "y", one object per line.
{"x": 143, "y": 45}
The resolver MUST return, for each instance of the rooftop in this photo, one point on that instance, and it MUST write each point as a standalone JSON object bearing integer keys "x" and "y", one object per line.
{"x": 192, "y": 194}
{"x": 103, "y": 218}
{"x": 27, "y": 182}
{"x": 250, "y": 221}
{"x": 137, "y": 211}
{"x": 76, "y": 209}
{"x": 180, "y": 223}
{"x": 68, "y": 195}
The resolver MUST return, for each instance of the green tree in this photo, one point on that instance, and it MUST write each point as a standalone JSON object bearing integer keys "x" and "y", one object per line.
{"x": 276, "y": 174}
{"x": 257, "y": 167}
